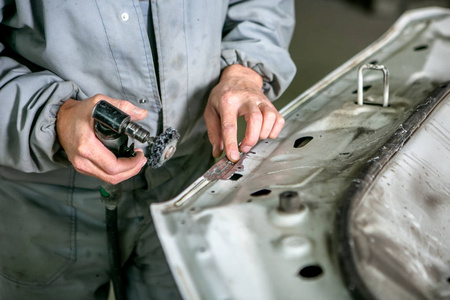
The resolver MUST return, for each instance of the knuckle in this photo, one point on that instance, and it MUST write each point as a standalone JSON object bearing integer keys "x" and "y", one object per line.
{"x": 271, "y": 115}
{"x": 228, "y": 99}
{"x": 280, "y": 121}
{"x": 83, "y": 151}
{"x": 228, "y": 127}
{"x": 98, "y": 97}
{"x": 254, "y": 116}
{"x": 79, "y": 164}
{"x": 112, "y": 169}
{"x": 114, "y": 180}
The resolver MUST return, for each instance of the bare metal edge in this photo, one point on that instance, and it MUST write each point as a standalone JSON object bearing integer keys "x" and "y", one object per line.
{"x": 354, "y": 282}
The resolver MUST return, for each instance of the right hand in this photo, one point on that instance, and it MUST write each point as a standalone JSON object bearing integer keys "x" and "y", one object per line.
{"x": 75, "y": 130}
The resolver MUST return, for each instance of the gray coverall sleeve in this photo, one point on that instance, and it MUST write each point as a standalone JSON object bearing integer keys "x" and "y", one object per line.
{"x": 257, "y": 34}
{"x": 29, "y": 100}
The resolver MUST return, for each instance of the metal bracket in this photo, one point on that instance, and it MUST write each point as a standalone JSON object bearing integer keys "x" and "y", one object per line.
{"x": 361, "y": 82}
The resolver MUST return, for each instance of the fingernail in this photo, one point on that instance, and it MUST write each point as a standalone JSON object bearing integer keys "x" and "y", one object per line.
{"x": 234, "y": 156}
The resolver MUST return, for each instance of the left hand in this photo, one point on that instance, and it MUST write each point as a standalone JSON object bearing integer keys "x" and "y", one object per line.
{"x": 239, "y": 93}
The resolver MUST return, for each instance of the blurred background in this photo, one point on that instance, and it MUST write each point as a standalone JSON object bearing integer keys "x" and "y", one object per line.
{"x": 330, "y": 32}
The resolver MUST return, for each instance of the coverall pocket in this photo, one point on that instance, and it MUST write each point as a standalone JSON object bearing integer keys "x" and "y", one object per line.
{"x": 37, "y": 232}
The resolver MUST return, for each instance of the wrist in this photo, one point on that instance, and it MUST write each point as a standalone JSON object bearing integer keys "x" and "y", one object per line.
{"x": 237, "y": 70}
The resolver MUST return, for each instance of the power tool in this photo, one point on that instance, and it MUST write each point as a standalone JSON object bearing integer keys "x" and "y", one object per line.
{"x": 113, "y": 127}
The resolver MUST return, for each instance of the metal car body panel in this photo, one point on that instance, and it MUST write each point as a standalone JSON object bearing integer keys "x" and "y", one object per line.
{"x": 350, "y": 201}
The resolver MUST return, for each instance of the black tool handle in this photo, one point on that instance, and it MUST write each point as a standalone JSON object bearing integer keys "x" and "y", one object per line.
{"x": 110, "y": 116}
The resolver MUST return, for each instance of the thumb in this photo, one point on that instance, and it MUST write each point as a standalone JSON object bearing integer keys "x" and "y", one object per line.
{"x": 138, "y": 113}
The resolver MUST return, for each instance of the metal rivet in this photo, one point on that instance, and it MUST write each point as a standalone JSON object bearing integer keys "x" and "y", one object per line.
{"x": 142, "y": 101}
{"x": 125, "y": 17}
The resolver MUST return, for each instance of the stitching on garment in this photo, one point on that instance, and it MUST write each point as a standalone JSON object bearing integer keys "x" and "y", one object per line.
{"x": 73, "y": 230}
{"x": 69, "y": 261}
{"x": 147, "y": 58}
{"x": 112, "y": 52}
{"x": 162, "y": 87}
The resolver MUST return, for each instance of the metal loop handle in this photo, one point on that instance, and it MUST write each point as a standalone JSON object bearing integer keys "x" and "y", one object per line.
{"x": 361, "y": 82}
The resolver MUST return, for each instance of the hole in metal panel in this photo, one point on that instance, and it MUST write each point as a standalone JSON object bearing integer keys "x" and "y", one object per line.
{"x": 262, "y": 192}
{"x": 235, "y": 176}
{"x": 374, "y": 62}
{"x": 421, "y": 48}
{"x": 311, "y": 271}
{"x": 302, "y": 142}
{"x": 365, "y": 89}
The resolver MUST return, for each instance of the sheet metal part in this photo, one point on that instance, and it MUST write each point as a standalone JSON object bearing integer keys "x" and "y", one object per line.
{"x": 394, "y": 232}
{"x": 226, "y": 237}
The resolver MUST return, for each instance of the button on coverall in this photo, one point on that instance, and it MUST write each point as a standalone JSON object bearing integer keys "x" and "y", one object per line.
{"x": 52, "y": 227}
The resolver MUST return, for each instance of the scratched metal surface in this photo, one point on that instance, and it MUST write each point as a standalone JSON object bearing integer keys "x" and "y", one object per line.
{"x": 393, "y": 227}
{"x": 401, "y": 227}
{"x": 225, "y": 237}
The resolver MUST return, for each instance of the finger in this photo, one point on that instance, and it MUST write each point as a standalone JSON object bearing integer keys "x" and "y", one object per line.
{"x": 105, "y": 162}
{"x": 229, "y": 134}
{"x": 135, "y": 113}
{"x": 213, "y": 127}
{"x": 254, "y": 121}
{"x": 277, "y": 127}
{"x": 92, "y": 169}
{"x": 270, "y": 115}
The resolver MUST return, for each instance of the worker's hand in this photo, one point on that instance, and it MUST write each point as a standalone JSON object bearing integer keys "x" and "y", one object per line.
{"x": 75, "y": 130}
{"x": 239, "y": 93}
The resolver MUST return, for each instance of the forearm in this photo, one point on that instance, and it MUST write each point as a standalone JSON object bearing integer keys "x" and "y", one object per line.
{"x": 257, "y": 35}
{"x": 237, "y": 72}
{"x": 29, "y": 102}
